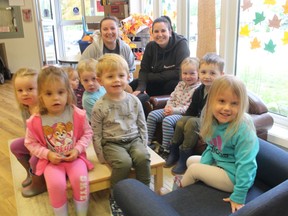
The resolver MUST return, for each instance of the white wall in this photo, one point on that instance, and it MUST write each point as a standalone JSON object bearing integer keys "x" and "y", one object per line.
{"x": 24, "y": 52}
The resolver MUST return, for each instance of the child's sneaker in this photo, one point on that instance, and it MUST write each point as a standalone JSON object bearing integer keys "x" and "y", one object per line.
{"x": 177, "y": 182}
{"x": 115, "y": 209}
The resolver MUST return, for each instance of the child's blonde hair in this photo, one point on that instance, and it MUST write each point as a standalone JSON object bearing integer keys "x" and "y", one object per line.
{"x": 23, "y": 72}
{"x": 213, "y": 58}
{"x": 69, "y": 71}
{"x": 189, "y": 61}
{"x": 111, "y": 62}
{"x": 219, "y": 85}
{"x": 50, "y": 75}
{"x": 86, "y": 65}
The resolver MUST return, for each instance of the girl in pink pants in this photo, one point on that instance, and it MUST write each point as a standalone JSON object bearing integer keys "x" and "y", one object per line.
{"x": 59, "y": 136}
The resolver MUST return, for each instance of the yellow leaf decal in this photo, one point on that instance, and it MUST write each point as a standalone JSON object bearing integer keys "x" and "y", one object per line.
{"x": 270, "y": 2}
{"x": 285, "y": 7}
{"x": 285, "y": 38}
{"x": 244, "y": 31}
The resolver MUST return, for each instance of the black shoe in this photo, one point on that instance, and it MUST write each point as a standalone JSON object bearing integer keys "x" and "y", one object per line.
{"x": 163, "y": 153}
{"x": 115, "y": 209}
{"x": 152, "y": 146}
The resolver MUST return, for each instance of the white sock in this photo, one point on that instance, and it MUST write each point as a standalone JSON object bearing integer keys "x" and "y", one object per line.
{"x": 81, "y": 207}
{"x": 61, "y": 211}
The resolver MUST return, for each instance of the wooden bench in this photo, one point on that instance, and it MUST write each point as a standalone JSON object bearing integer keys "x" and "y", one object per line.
{"x": 99, "y": 179}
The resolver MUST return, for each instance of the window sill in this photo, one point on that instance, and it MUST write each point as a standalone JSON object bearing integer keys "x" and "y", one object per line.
{"x": 278, "y": 134}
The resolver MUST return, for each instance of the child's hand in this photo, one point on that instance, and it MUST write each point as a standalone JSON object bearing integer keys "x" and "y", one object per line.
{"x": 71, "y": 155}
{"x": 54, "y": 157}
{"x": 138, "y": 92}
{"x": 234, "y": 206}
{"x": 129, "y": 89}
{"x": 168, "y": 110}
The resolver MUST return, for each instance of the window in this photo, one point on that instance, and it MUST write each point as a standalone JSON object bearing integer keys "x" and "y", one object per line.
{"x": 262, "y": 51}
{"x": 193, "y": 25}
{"x": 169, "y": 8}
{"x": 62, "y": 28}
{"x": 147, "y": 6}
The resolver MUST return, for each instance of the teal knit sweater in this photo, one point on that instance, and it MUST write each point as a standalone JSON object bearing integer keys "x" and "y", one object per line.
{"x": 236, "y": 155}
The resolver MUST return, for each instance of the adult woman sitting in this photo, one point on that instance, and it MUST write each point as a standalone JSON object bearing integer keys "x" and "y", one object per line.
{"x": 107, "y": 41}
{"x": 160, "y": 66}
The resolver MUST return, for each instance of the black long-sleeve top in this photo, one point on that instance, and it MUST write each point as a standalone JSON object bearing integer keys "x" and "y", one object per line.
{"x": 197, "y": 103}
{"x": 159, "y": 65}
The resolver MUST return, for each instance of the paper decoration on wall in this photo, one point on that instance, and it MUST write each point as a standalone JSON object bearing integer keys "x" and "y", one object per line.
{"x": 285, "y": 7}
{"x": 275, "y": 22}
{"x": 255, "y": 43}
{"x": 270, "y": 46}
{"x": 246, "y": 4}
{"x": 270, "y": 20}
{"x": 270, "y": 2}
{"x": 27, "y": 15}
{"x": 285, "y": 38}
{"x": 259, "y": 17}
{"x": 245, "y": 31}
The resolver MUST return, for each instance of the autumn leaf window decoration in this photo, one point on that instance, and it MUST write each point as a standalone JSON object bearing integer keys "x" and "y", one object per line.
{"x": 135, "y": 31}
{"x": 265, "y": 21}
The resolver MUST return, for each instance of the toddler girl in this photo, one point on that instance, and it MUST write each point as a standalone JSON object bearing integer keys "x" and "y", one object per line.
{"x": 58, "y": 136}
{"x": 176, "y": 106}
{"x": 74, "y": 82}
{"x": 229, "y": 161}
{"x": 25, "y": 87}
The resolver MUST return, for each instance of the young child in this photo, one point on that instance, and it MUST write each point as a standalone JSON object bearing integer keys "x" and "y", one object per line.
{"x": 93, "y": 91}
{"x": 186, "y": 132}
{"x": 176, "y": 106}
{"x": 58, "y": 136}
{"x": 74, "y": 82}
{"x": 119, "y": 126}
{"x": 229, "y": 161}
{"x": 25, "y": 88}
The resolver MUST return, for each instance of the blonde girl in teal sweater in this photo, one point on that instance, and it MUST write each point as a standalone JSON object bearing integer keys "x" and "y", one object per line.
{"x": 229, "y": 161}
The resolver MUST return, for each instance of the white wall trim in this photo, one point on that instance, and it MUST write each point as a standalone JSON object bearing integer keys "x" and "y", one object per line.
{"x": 228, "y": 34}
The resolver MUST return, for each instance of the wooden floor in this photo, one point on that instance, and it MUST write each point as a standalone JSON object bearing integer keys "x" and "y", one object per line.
{"x": 11, "y": 127}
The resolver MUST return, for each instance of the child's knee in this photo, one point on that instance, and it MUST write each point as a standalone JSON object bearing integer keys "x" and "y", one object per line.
{"x": 191, "y": 123}
{"x": 180, "y": 124}
{"x": 125, "y": 163}
{"x": 193, "y": 159}
{"x": 17, "y": 147}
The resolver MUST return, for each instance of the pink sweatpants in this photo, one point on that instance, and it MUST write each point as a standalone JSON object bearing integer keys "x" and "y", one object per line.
{"x": 55, "y": 176}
